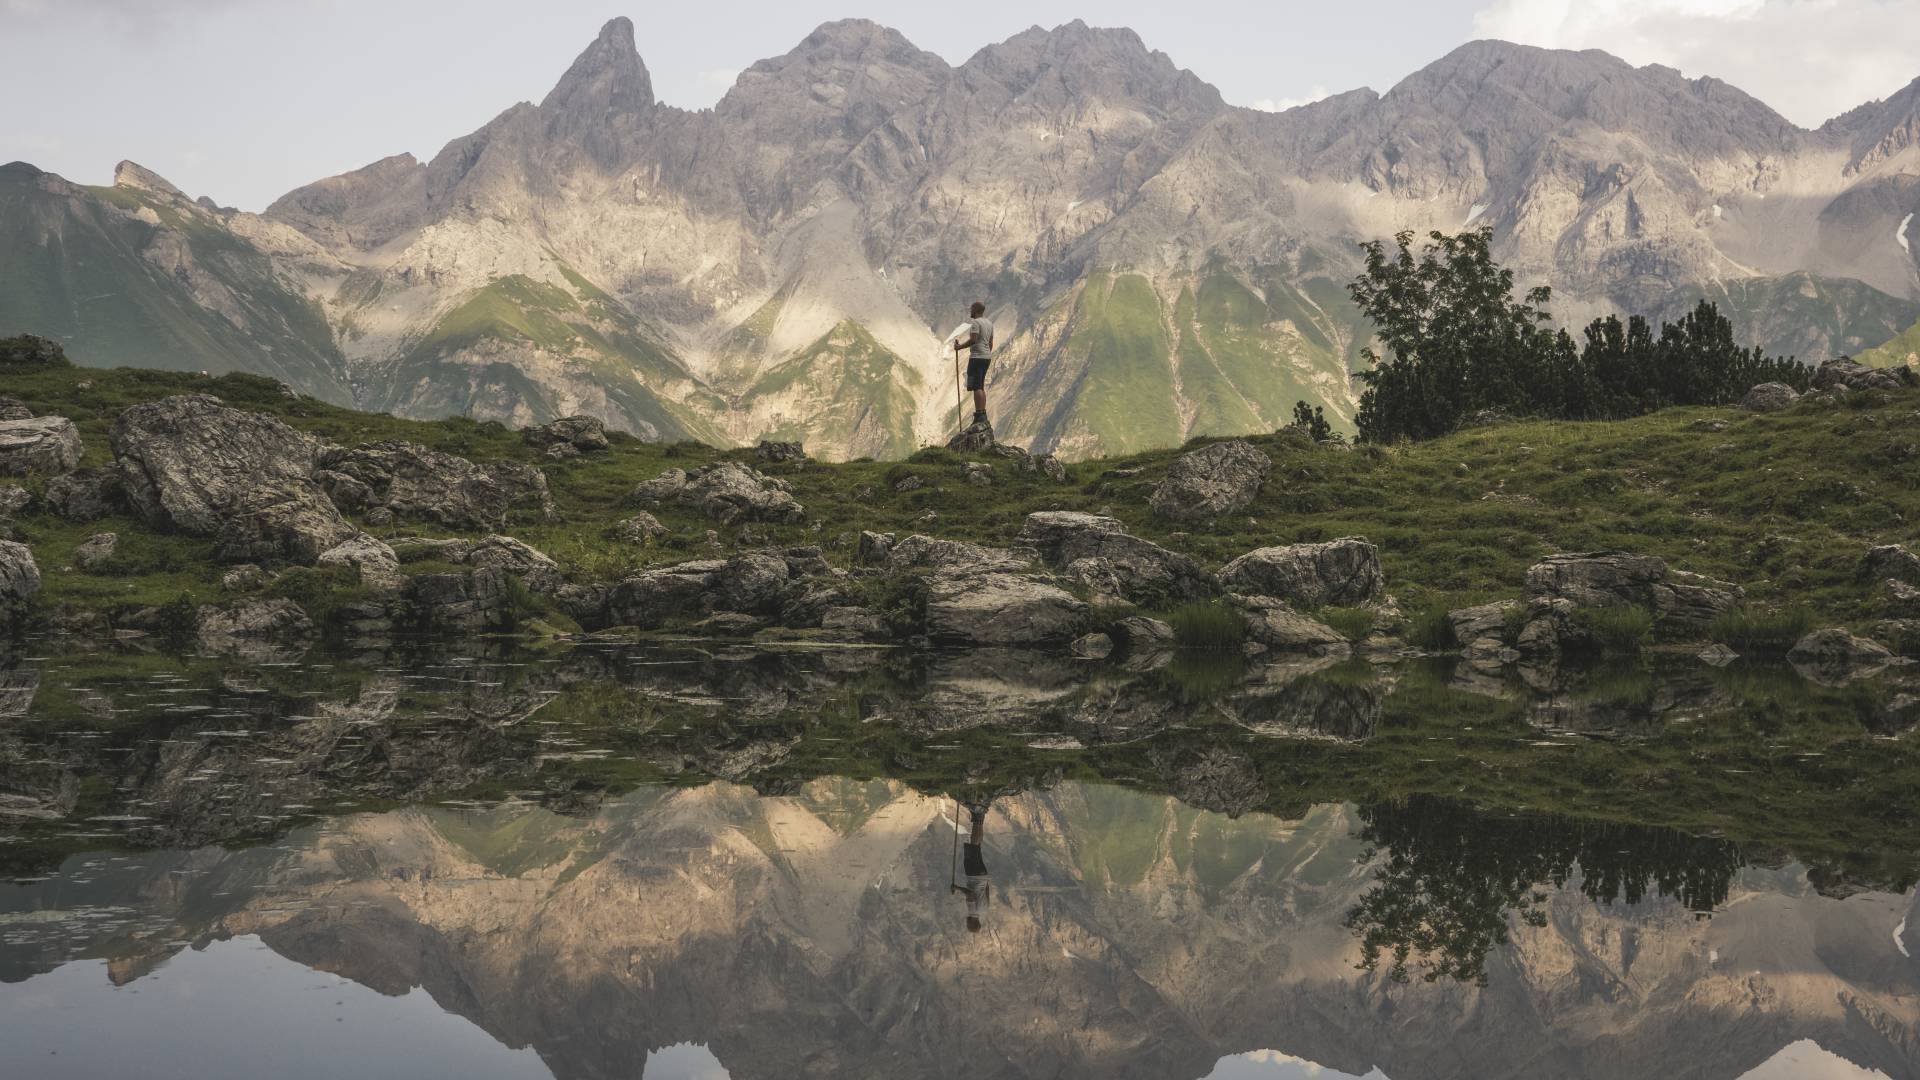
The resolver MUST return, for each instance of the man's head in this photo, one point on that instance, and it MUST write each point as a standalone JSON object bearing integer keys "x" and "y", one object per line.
{"x": 978, "y": 309}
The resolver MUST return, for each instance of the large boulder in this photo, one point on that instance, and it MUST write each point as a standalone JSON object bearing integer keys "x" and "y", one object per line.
{"x": 370, "y": 557}
{"x": 402, "y": 481}
{"x": 533, "y": 567}
{"x": 1219, "y": 479}
{"x": 1892, "y": 561}
{"x": 918, "y": 552}
{"x": 86, "y": 495}
{"x": 1095, "y": 551}
{"x": 19, "y": 582}
{"x": 43, "y": 445}
{"x": 252, "y": 627}
{"x": 1680, "y": 603}
{"x": 188, "y": 461}
{"x": 1769, "y": 397}
{"x": 975, "y": 438}
{"x": 1047, "y": 532}
{"x": 1848, "y": 374}
{"x": 13, "y": 499}
{"x": 14, "y": 409}
{"x": 999, "y": 608}
{"x": 649, "y": 598}
{"x": 725, "y": 491}
{"x": 585, "y": 434}
{"x": 291, "y": 521}
{"x": 1270, "y": 622}
{"x": 1834, "y": 654}
{"x": 464, "y": 600}
{"x": 1340, "y": 573}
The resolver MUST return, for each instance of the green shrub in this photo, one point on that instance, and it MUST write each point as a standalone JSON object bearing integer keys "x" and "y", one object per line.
{"x": 1430, "y": 629}
{"x": 1351, "y": 623}
{"x": 1760, "y": 632}
{"x": 1207, "y": 624}
{"x": 319, "y": 590}
{"x": 1616, "y": 631}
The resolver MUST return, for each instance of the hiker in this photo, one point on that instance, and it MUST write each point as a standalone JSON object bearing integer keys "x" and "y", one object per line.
{"x": 978, "y": 342}
{"x": 974, "y": 860}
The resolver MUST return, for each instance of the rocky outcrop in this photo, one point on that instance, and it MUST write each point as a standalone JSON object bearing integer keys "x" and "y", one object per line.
{"x": 372, "y": 560}
{"x": 998, "y": 608}
{"x": 975, "y": 438}
{"x": 250, "y": 626}
{"x": 19, "y": 582}
{"x": 12, "y": 408}
{"x": 43, "y": 445}
{"x": 85, "y": 495}
{"x": 1338, "y": 573}
{"x": 1219, "y": 479}
{"x": 777, "y": 452}
{"x": 793, "y": 588}
{"x": 725, "y": 491}
{"x": 290, "y": 521}
{"x": 531, "y": 566}
{"x": 188, "y": 462}
{"x": 639, "y": 530}
{"x": 1845, "y": 374}
{"x": 13, "y": 499}
{"x": 918, "y": 552}
{"x": 1093, "y": 551}
{"x": 1892, "y": 561}
{"x": 472, "y": 600}
{"x": 1274, "y": 625}
{"x": 568, "y": 436}
{"x": 1769, "y": 397}
{"x": 402, "y": 481}
{"x": 1682, "y": 604}
{"x": 1835, "y": 654}
{"x": 96, "y": 550}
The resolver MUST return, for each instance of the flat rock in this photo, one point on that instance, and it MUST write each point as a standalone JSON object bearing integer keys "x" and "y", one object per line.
{"x": 1680, "y": 603}
{"x": 1344, "y": 572}
{"x": 918, "y": 552}
{"x": 999, "y": 608}
{"x": 1270, "y": 622}
{"x": 40, "y": 445}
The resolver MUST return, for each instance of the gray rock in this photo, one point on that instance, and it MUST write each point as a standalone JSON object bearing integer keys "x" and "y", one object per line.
{"x": 1769, "y": 397}
{"x": 13, "y": 499}
{"x": 243, "y": 626}
{"x": 725, "y": 491}
{"x": 1903, "y": 597}
{"x": 1092, "y": 647}
{"x": 1270, "y": 622}
{"x": 918, "y": 552}
{"x": 873, "y": 548}
{"x": 96, "y": 550}
{"x": 909, "y": 483}
{"x": 41, "y": 445}
{"x": 1344, "y": 572}
{"x": 431, "y": 549}
{"x": 1219, "y": 479}
{"x": 468, "y": 600}
{"x": 1047, "y": 531}
{"x": 1000, "y": 608}
{"x": 651, "y": 597}
{"x": 585, "y": 434}
{"x": 752, "y": 582}
{"x": 85, "y": 495}
{"x": 1680, "y": 603}
{"x": 14, "y": 409}
{"x": 1470, "y": 624}
{"x": 1139, "y": 633}
{"x": 854, "y": 621}
{"x": 291, "y": 521}
{"x": 977, "y": 473}
{"x": 772, "y": 451}
{"x": 19, "y": 582}
{"x": 371, "y": 558}
{"x": 975, "y": 438}
{"x": 1847, "y": 374}
{"x": 1835, "y": 654}
{"x": 1094, "y": 551}
{"x": 244, "y": 578}
{"x": 516, "y": 559}
{"x": 188, "y": 462}
{"x": 639, "y": 530}
{"x": 1893, "y": 561}
{"x": 409, "y": 482}
{"x": 1051, "y": 468}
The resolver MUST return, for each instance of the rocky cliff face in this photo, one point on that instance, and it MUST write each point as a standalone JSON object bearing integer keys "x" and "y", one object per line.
{"x": 1160, "y": 264}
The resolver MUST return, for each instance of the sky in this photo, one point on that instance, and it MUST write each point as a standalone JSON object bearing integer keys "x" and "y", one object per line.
{"x": 243, "y": 100}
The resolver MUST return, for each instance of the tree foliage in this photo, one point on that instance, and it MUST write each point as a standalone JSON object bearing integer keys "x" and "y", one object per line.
{"x": 1458, "y": 346}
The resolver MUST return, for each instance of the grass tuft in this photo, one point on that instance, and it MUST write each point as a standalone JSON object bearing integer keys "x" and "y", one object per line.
{"x": 1761, "y": 632}
{"x": 1207, "y": 624}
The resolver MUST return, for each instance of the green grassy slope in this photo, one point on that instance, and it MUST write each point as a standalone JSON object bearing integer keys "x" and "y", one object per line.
{"x": 1902, "y": 350}
{"x": 74, "y": 267}
{"x": 846, "y": 390}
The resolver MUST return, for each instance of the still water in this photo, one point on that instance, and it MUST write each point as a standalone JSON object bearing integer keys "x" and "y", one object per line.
{"x": 691, "y": 862}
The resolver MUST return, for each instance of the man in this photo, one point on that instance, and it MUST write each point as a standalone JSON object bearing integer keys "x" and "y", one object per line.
{"x": 977, "y": 889}
{"x": 979, "y": 345}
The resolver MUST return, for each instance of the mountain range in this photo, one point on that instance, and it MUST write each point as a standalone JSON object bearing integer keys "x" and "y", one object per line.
{"x": 785, "y": 265}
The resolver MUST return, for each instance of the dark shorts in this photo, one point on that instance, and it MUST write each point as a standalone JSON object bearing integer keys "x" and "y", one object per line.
{"x": 977, "y": 372}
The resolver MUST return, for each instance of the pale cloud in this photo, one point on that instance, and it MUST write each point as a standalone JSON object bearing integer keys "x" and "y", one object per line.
{"x": 721, "y": 78}
{"x": 1809, "y": 59}
{"x": 1283, "y": 104}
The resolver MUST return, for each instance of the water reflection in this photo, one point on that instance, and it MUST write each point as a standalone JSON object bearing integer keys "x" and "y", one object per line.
{"x": 859, "y": 862}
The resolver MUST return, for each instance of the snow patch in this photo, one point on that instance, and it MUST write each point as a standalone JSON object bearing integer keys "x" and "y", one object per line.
{"x": 1899, "y": 942}
{"x": 1900, "y": 234}
{"x": 1718, "y": 212}
{"x": 1473, "y": 213}
{"x": 1073, "y": 205}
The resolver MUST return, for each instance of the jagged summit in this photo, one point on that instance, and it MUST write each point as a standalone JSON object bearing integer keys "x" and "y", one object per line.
{"x": 608, "y": 76}
{"x": 129, "y": 174}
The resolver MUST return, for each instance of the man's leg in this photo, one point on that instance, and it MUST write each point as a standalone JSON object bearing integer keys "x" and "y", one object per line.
{"x": 979, "y": 404}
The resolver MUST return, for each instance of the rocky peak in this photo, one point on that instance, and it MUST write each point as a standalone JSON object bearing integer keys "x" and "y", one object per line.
{"x": 609, "y": 77}
{"x": 140, "y": 178}
{"x": 1074, "y": 63}
{"x": 844, "y": 66}
{"x": 1879, "y": 130}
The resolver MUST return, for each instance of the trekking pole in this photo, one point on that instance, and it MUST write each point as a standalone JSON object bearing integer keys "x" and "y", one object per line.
{"x": 959, "y": 395}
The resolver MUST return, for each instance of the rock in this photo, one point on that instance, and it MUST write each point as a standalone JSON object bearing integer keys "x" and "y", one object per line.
{"x": 753, "y": 582}
{"x": 243, "y": 626}
{"x": 1000, "y": 608}
{"x": 909, "y": 483}
{"x": 43, "y": 445}
{"x": 725, "y": 491}
{"x": 1769, "y": 397}
{"x": 1680, "y": 603}
{"x": 1047, "y": 531}
{"x": 32, "y": 350}
{"x": 412, "y": 483}
{"x": 1844, "y": 373}
{"x": 19, "y": 582}
{"x": 975, "y": 438}
{"x": 977, "y": 473}
{"x": 1270, "y": 622}
{"x": 1550, "y": 627}
{"x": 1092, "y": 647}
{"x": 1835, "y": 654}
{"x": 873, "y": 548}
{"x": 1051, "y": 468}
{"x": 728, "y": 624}
{"x": 1471, "y": 624}
{"x": 649, "y": 598}
{"x": 468, "y": 600}
{"x": 371, "y": 558}
{"x": 1219, "y": 479}
{"x": 86, "y": 495}
{"x": 771, "y": 451}
{"x": 918, "y": 552}
{"x": 1015, "y": 456}
{"x": 291, "y": 521}
{"x": 430, "y": 549}
{"x": 95, "y": 550}
{"x": 1902, "y": 596}
{"x": 14, "y": 409}
{"x": 516, "y": 559}
{"x": 1141, "y": 634}
{"x": 188, "y": 462}
{"x": 1893, "y": 561}
{"x": 1342, "y": 573}
{"x": 1094, "y": 550}
{"x": 1717, "y": 655}
{"x": 639, "y": 530}
{"x": 562, "y": 450}
{"x": 852, "y": 621}
{"x": 585, "y": 434}
{"x": 1715, "y": 425}
{"x": 1218, "y": 781}
{"x": 244, "y": 578}
{"x": 13, "y": 499}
